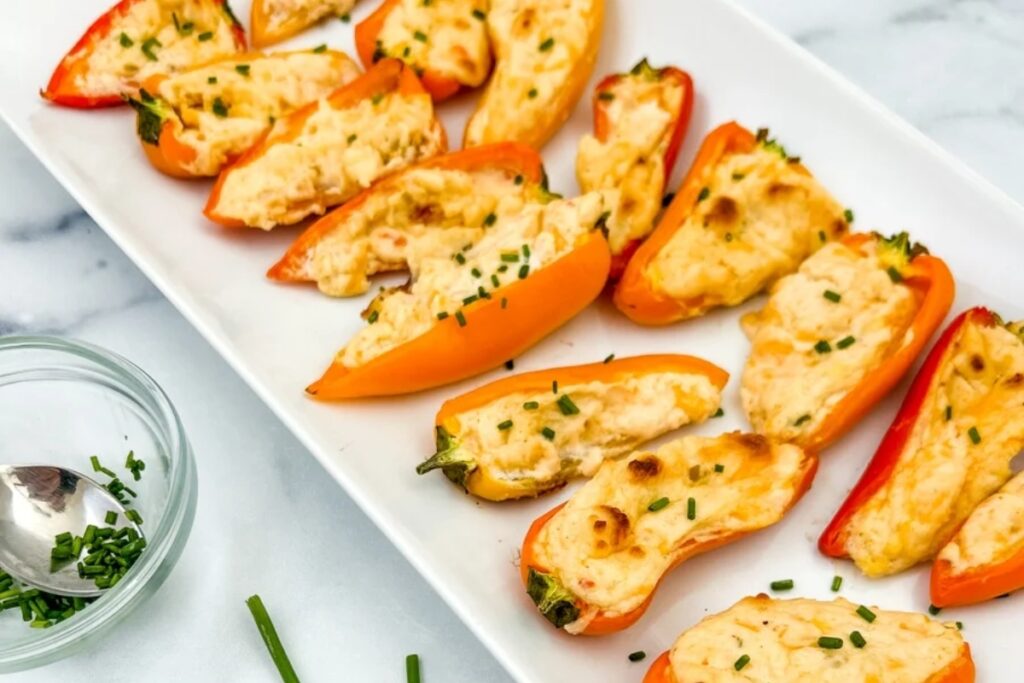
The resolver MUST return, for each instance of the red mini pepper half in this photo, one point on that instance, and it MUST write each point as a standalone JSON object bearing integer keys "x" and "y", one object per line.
{"x": 64, "y": 88}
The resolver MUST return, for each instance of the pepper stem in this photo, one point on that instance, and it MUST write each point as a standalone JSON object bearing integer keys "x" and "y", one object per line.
{"x": 449, "y": 458}
{"x": 152, "y": 114}
{"x": 553, "y": 599}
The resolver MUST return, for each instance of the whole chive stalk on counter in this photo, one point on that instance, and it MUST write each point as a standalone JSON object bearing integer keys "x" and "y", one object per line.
{"x": 271, "y": 639}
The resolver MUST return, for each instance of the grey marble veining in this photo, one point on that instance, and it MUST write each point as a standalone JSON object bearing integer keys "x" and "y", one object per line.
{"x": 350, "y": 606}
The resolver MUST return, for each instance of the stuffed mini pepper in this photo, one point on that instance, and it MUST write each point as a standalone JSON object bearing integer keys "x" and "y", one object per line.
{"x": 745, "y": 215}
{"x": 196, "y": 122}
{"x": 445, "y": 42}
{"x": 591, "y": 566}
{"x": 531, "y": 433}
{"x": 328, "y": 151}
{"x": 136, "y": 39}
{"x": 543, "y": 55}
{"x": 640, "y": 119}
{"x": 275, "y": 20}
{"x": 838, "y": 334}
{"x": 439, "y": 204}
{"x": 986, "y": 557}
{"x": 764, "y": 640}
{"x": 468, "y": 311}
{"x": 948, "y": 449}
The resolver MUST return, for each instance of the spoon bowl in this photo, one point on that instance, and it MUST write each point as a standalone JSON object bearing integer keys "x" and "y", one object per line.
{"x": 38, "y": 502}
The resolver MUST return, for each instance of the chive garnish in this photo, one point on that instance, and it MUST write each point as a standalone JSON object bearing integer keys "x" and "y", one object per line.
{"x": 848, "y": 215}
{"x": 271, "y": 639}
{"x": 821, "y": 236}
{"x": 442, "y": 315}
{"x": 526, "y": 251}
{"x": 834, "y": 297}
{"x": 372, "y": 318}
{"x": 205, "y": 36}
{"x": 133, "y": 515}
{"x": 495, "y": 281}
{"x": 949, "y": 413}
{"x": 479, "y": 14}
{"x": 609, "y": 358}
{"x": 845, "y": 342}
{"x": 738, "y": 176}
{"x": 866, "y": 614}
{"x": 376, "y": 99}
{"x": 782, "y": 585}
{"x": 412, "y": 669}
{"x": 218, "y": 107}
{"x": 704, "y": 194}
{"x": 546, "y": 45}
{"x": 322, "y": 47}
{"x": 857, "y": 639}
{"x": 659, "y": 504}
{"x": 691, "y": 509}
{"x": 504, "y": 302}
{"x": 460, "y": 318}
{"x": 125, "y": 40}
{"x": 97, "y": 467}
{"x": 510, "y": 257}
{"x": 822, "y": 346}
{"x": 975, "y": 436}
{"x": 894, "y": 274}
{"x": 147, "y": 48}
{"x": 554, "y": 386}
{"x": 531, "y": 405}
{"x": 109, "y": 518}
{"x": 566, "y": 405}
{"x": 637, "y": 656}
{"x": 489, "y": 220}
{"x": 345, "y": 18}
{"x": 802, "y": 419}
{"x": 460, "y": 258}
{"x": 548, "y": 433}
{"x": 532, "y": 93}
{"x": 475, "y": 272}
{"x": 420, "y": 36}
{"x": 719, "y": 413}
{"x": 741, "y": 662}
{"x": 837, "y": 583}
{"x": 524, "y": 270}
{"x": 933, "y": 610}
{"x": 212, "y": 80}
{"x": 518, "y": 180}
{"x": 960, "y": 625}
{"x": 351, "y": 138}
{"x": 242, "y": 69}
{"x": 507, "y": 424}
{"x": 719, "y": 467}
{"x": 470, "y": 299}
{"x": 830, "y": 643}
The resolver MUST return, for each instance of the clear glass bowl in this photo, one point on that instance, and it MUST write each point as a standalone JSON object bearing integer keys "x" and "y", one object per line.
{"x": 61, "y": 402}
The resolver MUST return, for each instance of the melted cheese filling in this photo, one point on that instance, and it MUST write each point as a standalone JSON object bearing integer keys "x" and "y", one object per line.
{"x": 287, "y": 13}
{"x": 441, "y": 284}
{"x": 791, "y": 383}
{"x": 443, "y": 37}
{"x": 527, "y": 87}
{"x": 610, "y": 550}
{"x": 942, "y": 475}
{"x": 993, "y": 533}
{"x": 781, "y": 639}
{"x": 614, "y": 418}
{"x": 119, "y": 63}
{"x": 641, "y": 118}
{"x": 254, "y": 92}
{"x": 337, "y": 153}
{"x": 377, "y": 236}
{"x": 761, "y": 218}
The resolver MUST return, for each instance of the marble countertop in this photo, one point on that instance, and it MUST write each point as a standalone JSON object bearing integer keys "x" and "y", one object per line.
{"x": 951, "y": 67}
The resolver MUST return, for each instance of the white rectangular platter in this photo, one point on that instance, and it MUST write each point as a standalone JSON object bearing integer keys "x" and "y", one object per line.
{"x": 279, "y": 338}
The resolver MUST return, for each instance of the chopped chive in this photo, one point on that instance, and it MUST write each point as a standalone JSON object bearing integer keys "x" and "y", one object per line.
{"x": 845, "y": 342}
{"x": 609, "y": 358}
{"x": 460, "y": 318}
{"x": 97, "y": 467}
{"x": 61, "y": 539}
{"x": 866, "y": 614}
{"x": 271, "y": 639}
{"x": 475, "y": 272}
{"x": 531, "y": 405}
{"x": 205, "y": 36}
{"x": 848, "y": 215}
{"x": 504, "y": 302}
{"x": 490, "y": 220}
{"x": 351, "y": 138}
{"x": 406, "y": 51}
{"x": 933, "y": 610}
{"x": 460, "y": 258}
{"x": 691, "y": 509}
{"x": 495, "y": 281}
{"x": 109, "y": 518}
{"x": 949, "y": 413}
{"x": 420, "y": 36}
{"x": 802, "y": 419}
{"x": 894, "y": 274}
{"x": 782, "y": 585}
{"x": 372, "y": 318}
{"x": 322, "y": 47}
{"x": 554, "y": 386}
{"x": 345, "y": 18}
{"x": 659, "y": 504}
{"x": 212, "y": 80}
{"x": 719, "y": 468}
{"x": 821, "y": 236}
{"x": 479, "y": 14}
{"x": 606, "y": 96}
{"x": 147, "y": 48}
{"x": 524, "y": 270}
{"x": 857, "y": 639}
{"x": 507, "y": 424}
{"x": 637, "y": 656}
{"x": 960, "y": 625}
{"x": 548, "y": 433}
{"x": 822, "y": 346}
{"x": 526, "y": 251}
{"x": 704, "y": 194}
{"x": 470, "y": 299}
{"x": 830, "y": 643}
{"x": 532, "y": 93}
{"x": 566, "y": 405}
{"x": 218, "y": 107}
{"x": 741, "y": 662}
{"x": 738, "y": 176}
{"x": 510, "y": 257}
{"x": 834, "y": 297}
{"x": 837, "y": 583}
{"x": 412, "y": 669}
{"x": 975, "y": 436}
{"x": 242, "y": 69}
{"x": 376, "y": 99}
{"x": 719, "y": 413}
{"x": 509, "y": 364}
{"x": 546, "y": 45}
{"x": 125, "y": 40}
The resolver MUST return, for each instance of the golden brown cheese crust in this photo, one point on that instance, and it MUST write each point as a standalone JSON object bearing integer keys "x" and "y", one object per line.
{"x": 808, "y": 351}
{"x": 610, "y": 550}
{"x": 222, "y": 109}
{"x": 760, "y": 217}
{"x": 145, "y": 40}
{"x": 641, "y": 114}
{"x": 942, "y": 475}
{"x": 338, "y": 153}
{"x": 780, "y": 637}
{"x": 443, "y": 37}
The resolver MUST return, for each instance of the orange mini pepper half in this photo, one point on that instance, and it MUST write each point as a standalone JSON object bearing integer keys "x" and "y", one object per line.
{"x": 439, "y": 84}
{"x": 66, "y": 87}
{"x": 491, "y": 440}
{"x": 491, "y": 330}
{"x": 694, "y": 466}
{"x": 520, "y": 163}
{"x": 388, "y": 77}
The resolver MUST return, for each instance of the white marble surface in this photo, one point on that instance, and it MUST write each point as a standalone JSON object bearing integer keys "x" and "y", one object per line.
{"x": 347, "y": 604}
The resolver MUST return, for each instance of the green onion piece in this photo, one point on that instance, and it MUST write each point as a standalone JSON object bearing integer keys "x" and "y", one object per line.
{"x": 412, "y": 669}
{"x": 857, "y": 639}
{"x": 134, "y": 515}
{"x": 548, "y": 433}
{"x": 524, "y": 270}
{"x": 837, "y": 583}
{"x": 322, "y": 47}
{"x": 739, "y": 176}
{"x": 866, "y": 614}
{"x": 442, "y": 315}
{"x": 459, "y": 258}
{"x": 495, "y": 281}
{"x": 512, "y": 257}
{"x": 504, "y": 302}
{"x": 372, "y": 318}
{"x": 933, "y": 610}
{"x": 531, "y": 405}
{"x": 470, "y": 299}
{"x": 518, "y": 180}
{"x": 741, "y": 662}
{"x": 637, "y": 656}
{"x": 830, "y": 643}
{"x": 691, "y": 509}
{"x": 845, "y": 342}
{"x": 460, "y": 318}
{"x": 475, "y": 272}
{"x": 783, "y": 585}
{"x": 834, "y": 297}
{"x": 949, "y": 413}
{"x": 566, "y": 405}
{"x": 704, "y": 194}
{"x": 659, "y": 504}
{"x": 960, "y": 625}
{"x": 822, "y": 346}
{"x": 507, "y": 424}
{"x": 271, "y": 640}
{"x": 61, "y": 539}
{"x": 125, "y": 40}
{"x": 719, "y": 468}
{"x": 526, "y": 251}
{"x": 546, "y": 45}
{"x": 205, "y": 36}
{"x": 420, "y": 36}
{"x": 109, "y": 518}
{"x": 147, "y": 48}
{"x": 489, "y": 220}
{"x": 975, "y": 436}
{"x": 609, "y": 358}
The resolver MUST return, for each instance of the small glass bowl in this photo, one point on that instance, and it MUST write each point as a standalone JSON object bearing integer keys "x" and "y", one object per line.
{"x": 60, "y": 402}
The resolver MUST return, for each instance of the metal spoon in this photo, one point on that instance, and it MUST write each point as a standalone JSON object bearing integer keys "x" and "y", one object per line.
{"x": 37, "y": 502}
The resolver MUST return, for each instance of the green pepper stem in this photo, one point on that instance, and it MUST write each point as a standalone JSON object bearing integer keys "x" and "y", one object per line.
{"x": 553, "y": 599}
